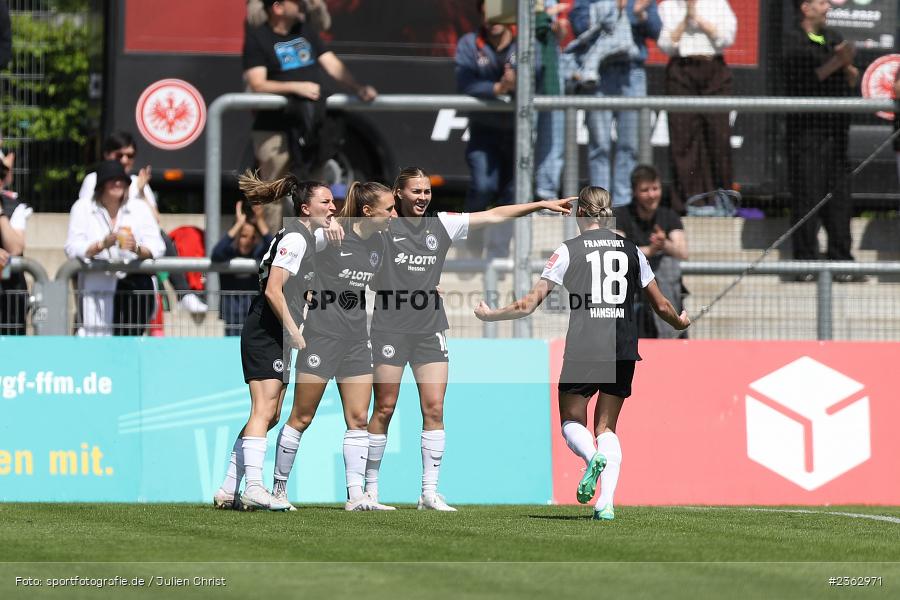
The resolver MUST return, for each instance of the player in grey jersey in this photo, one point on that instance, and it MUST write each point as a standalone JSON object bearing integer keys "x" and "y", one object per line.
{"x": 601, "y": 271}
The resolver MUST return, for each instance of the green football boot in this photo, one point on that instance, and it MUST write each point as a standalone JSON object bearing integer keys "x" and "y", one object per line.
{"x": 605, "y": 514}
{"x": 588, "y": 484}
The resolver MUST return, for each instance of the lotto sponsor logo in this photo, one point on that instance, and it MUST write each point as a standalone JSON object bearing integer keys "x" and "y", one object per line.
{"x": 808, "y": 423}
{"x": 353, "y": 275}
{"x": 415, "y": 259}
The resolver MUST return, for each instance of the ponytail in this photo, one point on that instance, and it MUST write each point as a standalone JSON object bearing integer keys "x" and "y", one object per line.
{"x": 257, "y": 191}
{"x": 360, "y": 195}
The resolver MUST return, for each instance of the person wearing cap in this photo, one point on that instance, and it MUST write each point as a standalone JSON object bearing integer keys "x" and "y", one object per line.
{"x": 110, "y": 226}
{"x": 285, "y": 56}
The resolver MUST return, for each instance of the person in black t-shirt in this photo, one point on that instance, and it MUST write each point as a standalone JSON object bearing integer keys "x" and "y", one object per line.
{"x": 337, "y": 339}
{"x": 819, "y": 63}
{"x": 285, "y": 56}
{"x": 271, "y": 329}
{"x": 658, "y": 232}
{"x": 601, "y": 271}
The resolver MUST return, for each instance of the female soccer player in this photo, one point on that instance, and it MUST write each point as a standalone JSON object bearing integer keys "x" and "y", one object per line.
{"x": 409, "y": 324}
{"x": 601, "y": 271}
{"x": 337, "y": 339}
{"x": 285, "y": 273}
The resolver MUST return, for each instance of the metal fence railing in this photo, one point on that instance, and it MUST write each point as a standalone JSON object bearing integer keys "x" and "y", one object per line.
{"x": 769, "y": 304}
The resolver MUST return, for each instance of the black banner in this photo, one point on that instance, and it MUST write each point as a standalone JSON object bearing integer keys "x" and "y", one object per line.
{"x": 867, "y": 23}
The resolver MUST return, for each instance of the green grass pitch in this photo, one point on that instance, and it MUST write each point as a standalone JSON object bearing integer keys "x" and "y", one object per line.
{"x": 545, "y": 552}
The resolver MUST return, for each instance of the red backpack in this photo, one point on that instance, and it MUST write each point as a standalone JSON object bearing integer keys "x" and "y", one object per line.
{"x": 188, "y": 241}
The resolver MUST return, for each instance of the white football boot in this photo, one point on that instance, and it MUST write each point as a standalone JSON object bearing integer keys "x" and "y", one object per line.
{"x": 434, "y": 501}
{"x": 281, "y": 494}
{"x": 376, "y": 505}
{"x": 225, "y": 501}
{"x": 364, "y": 502}
{"x": 257, "y": 497}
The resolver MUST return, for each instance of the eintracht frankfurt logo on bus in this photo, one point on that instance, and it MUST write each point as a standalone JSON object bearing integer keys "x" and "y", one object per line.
{"x": 878, "y": 81}
{"x": 170, "y": 114}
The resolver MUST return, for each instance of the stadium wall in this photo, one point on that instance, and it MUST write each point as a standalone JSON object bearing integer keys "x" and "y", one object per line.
{"x": 710, "y": 422}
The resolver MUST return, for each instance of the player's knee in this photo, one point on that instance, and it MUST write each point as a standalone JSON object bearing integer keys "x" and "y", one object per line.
{"x": 433, "y": 412}
{"x": 300, "y": 421}
{"x": 385, "y": 410}
{"x": 358, "y": 420}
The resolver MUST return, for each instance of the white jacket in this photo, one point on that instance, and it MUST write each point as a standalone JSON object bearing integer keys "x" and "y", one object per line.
{"x": 89, "y": 222}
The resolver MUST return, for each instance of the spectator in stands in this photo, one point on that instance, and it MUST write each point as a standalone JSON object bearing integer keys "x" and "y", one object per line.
{"x": 551, "y": 25}
{"x": 818, "y": 62}
{"x": 286, "y": 56}
{"x": 14, "y": 215}
{"x": 315, "y": 14}
{"x": 120, "y": 146}
{"x": 658, "y": 232}
{"x": 249, "y": 237}
{"x": 486, "y": 68}
{"x": 111, "y": 226}
{"x": 619, "y": 75}
{"x": 694, "y": 34}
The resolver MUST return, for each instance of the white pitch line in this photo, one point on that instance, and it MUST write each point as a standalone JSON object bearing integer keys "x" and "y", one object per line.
{"x": 803, "y": 511}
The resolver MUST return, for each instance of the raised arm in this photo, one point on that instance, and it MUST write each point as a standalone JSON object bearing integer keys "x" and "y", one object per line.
{"x": 500, "y": 214}
{"x": 518, "y": 309}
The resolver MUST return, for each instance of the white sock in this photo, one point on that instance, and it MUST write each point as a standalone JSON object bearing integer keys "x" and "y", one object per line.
{"x": 433, "y": 443}
{"x": 608, "y": 444}
{"x": 235, "y": 471}
{"x": 377, "y": 443}
{"x": 254, "y": 456}
{"x": 286, "y": 452}
{"x": 579, "y": 440}
{"x": 356, "y": 452}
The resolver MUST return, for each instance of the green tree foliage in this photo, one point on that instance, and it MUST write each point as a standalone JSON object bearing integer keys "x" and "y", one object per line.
{"x": 46, "y": 96}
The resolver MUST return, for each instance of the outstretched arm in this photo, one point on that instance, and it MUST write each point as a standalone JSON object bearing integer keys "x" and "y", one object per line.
{"x": 518, "y": 309}
{"x": 500, "y": 214}
{"x": 664, "y": 308}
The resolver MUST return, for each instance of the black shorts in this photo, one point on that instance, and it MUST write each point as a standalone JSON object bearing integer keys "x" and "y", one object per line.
{"x": 397, "y": 349}
{"x": 263, "y": 354}
{"x": 328, "y": 357}
{"x": 588, "y": 378}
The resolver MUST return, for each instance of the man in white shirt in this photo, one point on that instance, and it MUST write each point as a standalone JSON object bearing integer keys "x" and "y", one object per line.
{"x": 694, "y": 34}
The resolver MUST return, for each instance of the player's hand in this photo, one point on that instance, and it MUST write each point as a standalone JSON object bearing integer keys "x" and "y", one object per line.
{"x": 334, "y": 233}
{"x": 483, "y": 311}
{"x": 298, "y": 342}
{"x": 308, "y": 90}
{"x": 367, "y": 93}
{"x": 4, "y": 257}
{"x": 684, "y": 321}
{"x": 563, "y": 205}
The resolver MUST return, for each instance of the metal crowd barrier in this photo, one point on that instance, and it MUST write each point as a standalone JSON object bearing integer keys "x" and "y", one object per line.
{"x": 50, "y": 300}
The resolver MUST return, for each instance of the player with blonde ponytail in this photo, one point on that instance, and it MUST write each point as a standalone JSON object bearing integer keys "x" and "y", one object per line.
{"x": 601, "y": 271}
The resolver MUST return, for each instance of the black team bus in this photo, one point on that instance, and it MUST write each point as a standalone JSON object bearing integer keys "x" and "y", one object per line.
{"x": 166, "y": 61}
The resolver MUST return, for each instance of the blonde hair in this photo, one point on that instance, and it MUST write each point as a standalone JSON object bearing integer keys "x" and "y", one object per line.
{"x": 257, "y": 191}
{"x": 360, "y": 195}
{"x": 594, "y": 201}
{"x": 405, "y": 174}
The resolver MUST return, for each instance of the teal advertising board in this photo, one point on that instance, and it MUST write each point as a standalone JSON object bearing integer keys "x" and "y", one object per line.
{"x": 153, "y": 420}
